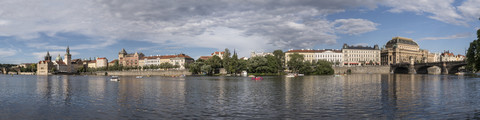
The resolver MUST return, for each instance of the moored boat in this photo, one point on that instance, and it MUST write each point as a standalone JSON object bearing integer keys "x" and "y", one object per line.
{"x": 114, "y": 78}
{"x": 290, "y": 75}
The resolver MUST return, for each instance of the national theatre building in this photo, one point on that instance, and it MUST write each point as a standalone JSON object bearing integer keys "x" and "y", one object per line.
{"x": 401, "y": 50}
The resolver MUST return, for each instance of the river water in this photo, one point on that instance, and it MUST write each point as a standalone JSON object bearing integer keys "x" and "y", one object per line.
{"x": 357, "y": 96}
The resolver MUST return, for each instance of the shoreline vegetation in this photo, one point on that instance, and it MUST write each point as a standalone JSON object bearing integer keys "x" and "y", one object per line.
{"x": 260, "y": 65}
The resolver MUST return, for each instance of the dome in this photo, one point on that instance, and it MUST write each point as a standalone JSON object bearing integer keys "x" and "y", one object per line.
{"x": 402, "y": 40}
{"x": 58, "y": 58}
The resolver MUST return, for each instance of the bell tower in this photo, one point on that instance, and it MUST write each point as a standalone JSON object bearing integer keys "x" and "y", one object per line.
{"x": 68, "y": 59}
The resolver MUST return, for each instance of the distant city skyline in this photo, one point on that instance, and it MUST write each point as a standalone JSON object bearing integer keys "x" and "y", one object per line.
{"x": 28, "y": 29}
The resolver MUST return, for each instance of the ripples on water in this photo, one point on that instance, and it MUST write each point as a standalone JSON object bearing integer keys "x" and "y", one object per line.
{"x": 358, "y": 96}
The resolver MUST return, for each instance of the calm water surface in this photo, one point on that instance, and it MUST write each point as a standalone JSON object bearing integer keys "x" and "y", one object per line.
{"x": 358, "y": 96}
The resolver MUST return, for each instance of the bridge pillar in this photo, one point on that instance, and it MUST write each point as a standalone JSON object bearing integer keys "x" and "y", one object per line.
{"x": 444, "y": 68}
{"x": 411, "y": 67}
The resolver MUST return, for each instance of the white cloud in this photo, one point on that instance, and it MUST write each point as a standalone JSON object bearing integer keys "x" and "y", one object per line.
{"x": 441, "y": 10}
{"x": 354, "y": 26}
{"x": 456, "y": 36}
{"x": 7, "y": 52}
{"x": 279, "y": 24}
{"x": 4, "y": 22}
{"x": 470, "y": 9}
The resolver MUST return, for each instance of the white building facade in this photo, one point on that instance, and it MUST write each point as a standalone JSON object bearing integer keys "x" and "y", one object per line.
{"x": 333, "y": 56}
{"x": 360, "y": 55}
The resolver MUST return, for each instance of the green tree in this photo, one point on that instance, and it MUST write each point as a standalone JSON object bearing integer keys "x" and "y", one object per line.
{"x": 257, "y": 64}
{"x": 323, "y": 67}
{"x": 233, "y": 64}
{"x": 274, "y": 64}
{"x": 196, "y": 67}
{"x": 473, "y": 54}
{"x": 242, "y": 65}
{"x": 306, "y": 68}
{"x": 215, "y": 62}
{"x": 207, "y": 69}
{"x": 226, "y": 62}
{"x": 281, "y": 58}
{"x": 295, "y": 62}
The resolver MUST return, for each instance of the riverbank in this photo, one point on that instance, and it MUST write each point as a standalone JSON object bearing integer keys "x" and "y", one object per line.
{"x": 362, "y": 69}
{"x": 141, "y": 73}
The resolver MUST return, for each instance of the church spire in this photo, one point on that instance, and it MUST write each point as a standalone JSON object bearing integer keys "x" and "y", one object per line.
{"x": 48, "y": 57}
{"x": 68, "y": 50}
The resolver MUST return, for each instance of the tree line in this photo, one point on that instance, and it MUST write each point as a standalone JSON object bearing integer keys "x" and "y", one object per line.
{"x": 473, "y": 54}
{"x": 266, "y": 65}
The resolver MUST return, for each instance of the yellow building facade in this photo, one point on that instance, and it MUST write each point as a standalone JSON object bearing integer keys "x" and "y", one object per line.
{"x": 401, "y": 50}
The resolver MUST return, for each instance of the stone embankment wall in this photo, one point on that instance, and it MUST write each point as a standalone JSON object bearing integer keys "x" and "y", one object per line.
{"x": 145, "y": 73}
{"x": 363, "y": 69}
{"x": 27, "y": 73}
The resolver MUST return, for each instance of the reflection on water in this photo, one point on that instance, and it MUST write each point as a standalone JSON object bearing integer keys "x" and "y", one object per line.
{"x": 358, "y": 96}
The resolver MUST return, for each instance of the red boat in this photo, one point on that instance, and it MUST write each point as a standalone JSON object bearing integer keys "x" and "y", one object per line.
{"x": 257, "y": 78}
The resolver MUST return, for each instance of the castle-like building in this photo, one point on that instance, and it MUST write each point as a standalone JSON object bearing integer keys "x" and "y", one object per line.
{"x": 129, "y": 60}
{"x": 59, "y": 65}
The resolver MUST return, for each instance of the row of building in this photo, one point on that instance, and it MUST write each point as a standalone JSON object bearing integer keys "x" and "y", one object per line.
{"x": 397, "y": 50}
{"x": 67, "y": 65}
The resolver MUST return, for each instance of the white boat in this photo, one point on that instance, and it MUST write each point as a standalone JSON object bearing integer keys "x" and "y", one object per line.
{"x": 139, "y": 77}
{"x": 114, "y": 78}
{"x": 300, "y": 75}
{"x": 460, "y": 73}
{"x": 290, "y": 75}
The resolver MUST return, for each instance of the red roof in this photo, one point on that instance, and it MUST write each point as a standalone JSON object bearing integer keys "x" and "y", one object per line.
{"x": 205, "y": 57}
{"x": 101, "y": 58}
{"x": 113, "y": 61}
{"x": 93, "y": 61}
{"x": 217, "y": 53}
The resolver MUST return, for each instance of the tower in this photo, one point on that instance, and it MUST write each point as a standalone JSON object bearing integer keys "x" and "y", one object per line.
{"x": 68, "y": 60}
{"x": 68, "y": 57}
{"x": 121, "y": 55}
{"x": 48, "y": 57}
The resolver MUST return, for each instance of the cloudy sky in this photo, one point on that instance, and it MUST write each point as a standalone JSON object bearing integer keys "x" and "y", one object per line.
{"x": 101, "y": 28}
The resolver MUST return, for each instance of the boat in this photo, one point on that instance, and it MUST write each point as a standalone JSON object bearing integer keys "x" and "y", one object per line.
{"x": 183, "y": 75}
{"x": 251, "y": 76}
{"x": 290, "y": 75}
{"x": 257, "y": 78}
{"x": 139, "y": 77}
{"x": 460, "y": 73}
{"x": 114, "y": 78}
{"x": 244, "y": 73}
{"x": 300, "y": 75}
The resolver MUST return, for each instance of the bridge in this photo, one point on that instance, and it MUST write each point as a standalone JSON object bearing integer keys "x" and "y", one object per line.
{"x": 449, "y": 67}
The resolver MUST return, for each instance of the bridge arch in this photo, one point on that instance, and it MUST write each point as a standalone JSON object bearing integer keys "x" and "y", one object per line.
{"x": 400, "y": 70}
{"x": 423, "y": 69}
{"x": 455, "y": 68}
